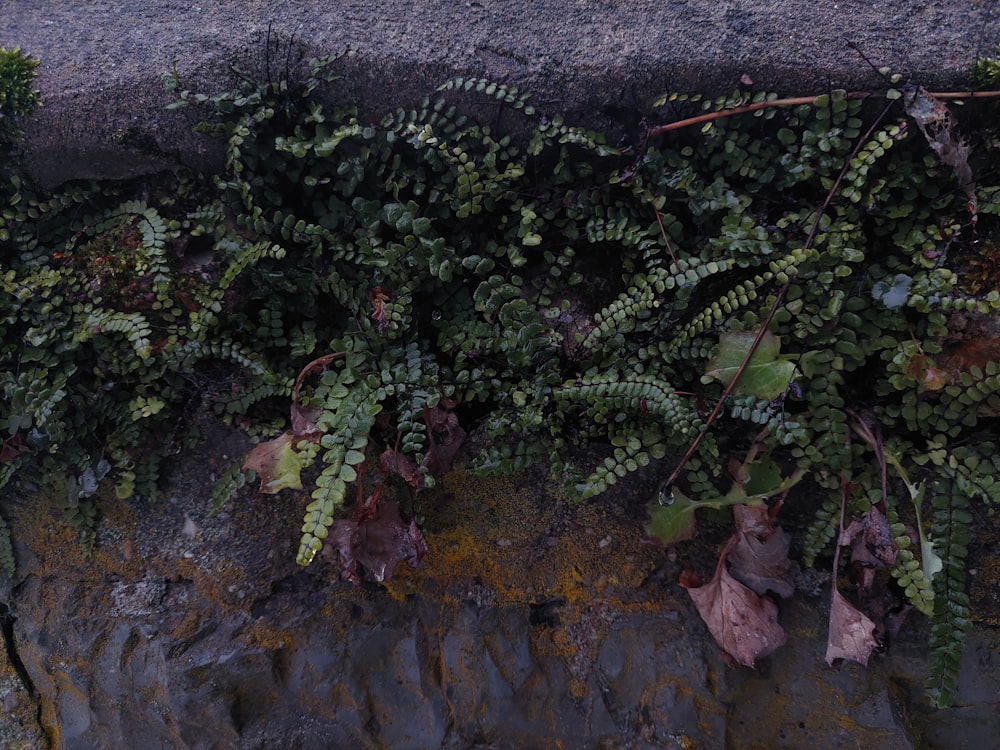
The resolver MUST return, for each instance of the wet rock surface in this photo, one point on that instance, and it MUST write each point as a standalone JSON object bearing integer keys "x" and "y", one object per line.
{"x": 531, "y": 624}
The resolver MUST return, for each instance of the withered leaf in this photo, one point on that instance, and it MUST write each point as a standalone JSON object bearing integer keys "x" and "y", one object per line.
{"x": 753, "y": 519}
{"x": 11, "y": 448}
{"x": 870, "y": 539}
{"x": 852, "y": 633}
{"x": 276, "y": 463}
{"x": 759, "y": 557}
{"x": 304, "y": 421}
{"x": 317, "y": 365}
{"x": 393, "y": 462}
{"x": 872, "y": 547}
{"x": 378, "y": 298}
{"x": 939, "y": 127}
{"x": 744, "y": 624}
{"x": 376, "y": 544}
{"x": 445, "y": 436}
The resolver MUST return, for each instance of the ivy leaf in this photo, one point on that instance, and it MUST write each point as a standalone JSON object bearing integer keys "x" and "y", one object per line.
{"x": 895, "y": 293}
{"x": 276, "y": 463}
{"x": 673, "y": 522}
{"x": 767, "y": 374}
{"x": 763, "y": 477}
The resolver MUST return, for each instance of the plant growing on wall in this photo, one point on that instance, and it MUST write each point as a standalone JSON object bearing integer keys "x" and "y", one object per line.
{"x": 578, "y": 292}
{"x": 822, "y": 275}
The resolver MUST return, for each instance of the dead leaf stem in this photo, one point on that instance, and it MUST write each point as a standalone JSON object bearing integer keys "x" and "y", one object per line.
{"x": 795, "y": 101}
{"x": 320, "y": 363}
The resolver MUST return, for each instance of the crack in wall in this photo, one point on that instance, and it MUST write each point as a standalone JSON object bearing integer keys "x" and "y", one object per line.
{"x": 10, "y": 646}
{"x": 7, "y": 619}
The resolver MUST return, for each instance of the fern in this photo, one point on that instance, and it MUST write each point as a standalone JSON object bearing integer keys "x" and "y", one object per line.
{"x": 134, "y": 326}
{"x": 226, "y": 486}
{"x": 950, "y": 525}
{"x": 348, "y": 417}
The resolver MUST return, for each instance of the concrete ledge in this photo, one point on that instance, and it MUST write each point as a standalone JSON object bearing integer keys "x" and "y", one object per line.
{"x": 591, "y": 59}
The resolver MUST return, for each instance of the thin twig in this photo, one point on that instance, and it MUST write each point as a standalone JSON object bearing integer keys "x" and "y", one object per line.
{"x": 795, "y": 101}
{"x": 874, "y": 438}
{"x": 666, "y": 240}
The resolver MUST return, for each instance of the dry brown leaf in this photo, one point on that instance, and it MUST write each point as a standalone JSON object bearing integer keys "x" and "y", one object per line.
{"x": 852, "y": 633}
{"x": 11, "y": 448}
{"x": 759, "y": 557}
{"x": 763, "y": 564}
{"x": 376, "y": 544}
{"x": 753, "y": 519}
{"x": 870, "y": 540}
{"x": 317, "y": 365}
{"x": 939, "y": 127}
{"x": 304, "y": 422}
{"x": 744, "y": 624}
{"x": 393, "y": 462}
{"x": 445, "y": 436}
{"x": 872, "y": 548}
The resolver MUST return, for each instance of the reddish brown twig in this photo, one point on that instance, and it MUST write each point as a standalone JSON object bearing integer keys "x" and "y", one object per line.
{"x": 795, "y": 101}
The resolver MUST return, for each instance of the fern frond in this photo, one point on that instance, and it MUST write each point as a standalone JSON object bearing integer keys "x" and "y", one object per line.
{"x": 950, "y": 526}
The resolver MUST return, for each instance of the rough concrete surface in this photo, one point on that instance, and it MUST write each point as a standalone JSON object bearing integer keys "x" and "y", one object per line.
{"x": 593, "y": 60}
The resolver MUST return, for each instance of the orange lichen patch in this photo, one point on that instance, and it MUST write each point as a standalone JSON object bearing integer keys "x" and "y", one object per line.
{"x": 19, "y": 728}
{"x": 500, "y": 533}
{"x": 39, "y": 526}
